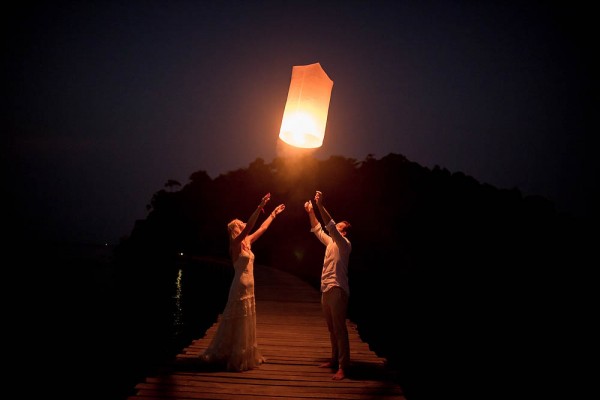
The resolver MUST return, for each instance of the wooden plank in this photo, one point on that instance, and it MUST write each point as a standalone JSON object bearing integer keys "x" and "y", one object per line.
{"x": 292, "y": 335}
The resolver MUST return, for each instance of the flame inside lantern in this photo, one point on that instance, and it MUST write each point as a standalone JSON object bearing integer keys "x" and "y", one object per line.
{"x": 305, "y": 114}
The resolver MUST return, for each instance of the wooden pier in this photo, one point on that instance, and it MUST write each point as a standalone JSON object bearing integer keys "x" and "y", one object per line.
{"x": 293, "y": 337}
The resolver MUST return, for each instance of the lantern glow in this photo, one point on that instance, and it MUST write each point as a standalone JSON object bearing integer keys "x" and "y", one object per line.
{"x": 305, "y": 114}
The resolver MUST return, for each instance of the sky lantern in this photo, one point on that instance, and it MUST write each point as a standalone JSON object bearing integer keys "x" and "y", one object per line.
{"x": 305, "y": 114}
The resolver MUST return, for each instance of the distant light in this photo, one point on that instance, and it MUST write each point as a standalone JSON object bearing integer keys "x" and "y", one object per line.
{"x": 307, "y": 106}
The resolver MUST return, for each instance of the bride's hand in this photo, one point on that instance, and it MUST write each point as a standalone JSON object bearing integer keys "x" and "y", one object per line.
{"x": 278, "y": 209}
{"x": 265, "y": 199}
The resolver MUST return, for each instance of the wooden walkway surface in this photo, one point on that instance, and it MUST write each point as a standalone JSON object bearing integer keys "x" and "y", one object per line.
{"x": 292, "y": 335}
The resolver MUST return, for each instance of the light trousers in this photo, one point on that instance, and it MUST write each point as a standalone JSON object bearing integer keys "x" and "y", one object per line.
{"x": 334, "y": 304}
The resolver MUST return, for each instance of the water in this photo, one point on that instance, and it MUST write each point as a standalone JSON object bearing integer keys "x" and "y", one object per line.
{"x": 96, "y": 328}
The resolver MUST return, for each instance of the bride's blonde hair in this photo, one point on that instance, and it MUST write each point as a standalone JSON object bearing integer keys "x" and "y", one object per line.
{"x": 236, "y": 223}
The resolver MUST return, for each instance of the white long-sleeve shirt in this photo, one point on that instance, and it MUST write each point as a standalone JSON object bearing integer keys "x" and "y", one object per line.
{"x": 337, "y": 256}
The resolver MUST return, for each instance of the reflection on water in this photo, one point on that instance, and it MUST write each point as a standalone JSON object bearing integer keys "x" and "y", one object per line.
{"x": 178, "y": 322}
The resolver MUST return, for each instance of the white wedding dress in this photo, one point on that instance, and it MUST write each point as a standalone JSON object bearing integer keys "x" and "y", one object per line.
{"x": 234, "y": 345}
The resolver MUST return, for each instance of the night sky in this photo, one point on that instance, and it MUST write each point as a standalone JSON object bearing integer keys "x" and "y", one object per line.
{"x": 105, "y": 101}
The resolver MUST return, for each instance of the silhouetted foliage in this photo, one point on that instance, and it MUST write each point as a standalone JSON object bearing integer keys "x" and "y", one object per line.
{"x": 171, "y": 183}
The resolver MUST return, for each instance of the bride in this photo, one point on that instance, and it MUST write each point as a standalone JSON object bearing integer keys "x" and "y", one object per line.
{"x": 234, "y": 345}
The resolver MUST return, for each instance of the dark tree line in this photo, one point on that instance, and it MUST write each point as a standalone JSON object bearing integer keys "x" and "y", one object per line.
{"x": 449, "y": 277}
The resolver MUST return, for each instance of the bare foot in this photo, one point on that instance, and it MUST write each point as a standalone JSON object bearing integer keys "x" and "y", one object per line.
{"x": 339, "y": 375}
{"x": 327, "y": 364}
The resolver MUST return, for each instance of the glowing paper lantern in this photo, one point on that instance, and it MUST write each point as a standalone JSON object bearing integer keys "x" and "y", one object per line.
{"x": 305, "y": 113}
